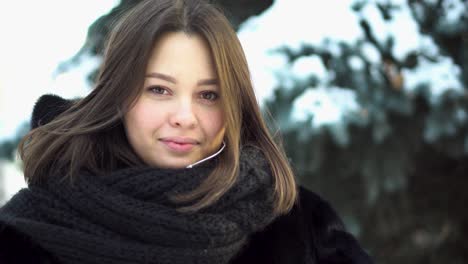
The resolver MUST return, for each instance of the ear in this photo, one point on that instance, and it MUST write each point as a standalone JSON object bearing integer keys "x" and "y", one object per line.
{"x": 47, "y": 108}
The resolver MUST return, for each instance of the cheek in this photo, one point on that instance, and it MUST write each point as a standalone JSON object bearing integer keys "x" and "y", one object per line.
{"x": 142, "y": 119}
{"x": 213, "y": 124}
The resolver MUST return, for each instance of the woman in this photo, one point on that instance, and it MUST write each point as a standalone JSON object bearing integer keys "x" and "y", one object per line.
{"x": 167, "y": 160}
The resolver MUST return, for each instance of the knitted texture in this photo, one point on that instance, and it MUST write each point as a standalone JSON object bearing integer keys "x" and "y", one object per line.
{"x": 126, "y": 217}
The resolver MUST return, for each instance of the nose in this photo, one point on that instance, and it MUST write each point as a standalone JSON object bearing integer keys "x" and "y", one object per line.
{"x": 183, "y": 115}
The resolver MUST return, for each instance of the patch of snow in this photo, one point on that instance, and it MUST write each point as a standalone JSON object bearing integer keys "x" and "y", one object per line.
{"x": 370, "y": 53}
{"x": 402, "y": 27}
{"x": 440, "y": 76}
{"x": 12, "y": 179}
{"x": 293, "y": 23}
{"x": 326, "y": 105}
{"x": 454, "y": 9}
{"x": 307, "y": 65}
{"x": 356, "y": 63}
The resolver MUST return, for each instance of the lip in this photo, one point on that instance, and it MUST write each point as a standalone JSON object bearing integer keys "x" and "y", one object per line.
{"x": 179, "y": 144}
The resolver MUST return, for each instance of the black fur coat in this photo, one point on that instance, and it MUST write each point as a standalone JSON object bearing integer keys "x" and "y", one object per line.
{"x": 310, "y": 233}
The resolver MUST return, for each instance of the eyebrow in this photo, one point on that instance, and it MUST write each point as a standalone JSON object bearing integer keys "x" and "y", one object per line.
{"x": 174, "y": 81}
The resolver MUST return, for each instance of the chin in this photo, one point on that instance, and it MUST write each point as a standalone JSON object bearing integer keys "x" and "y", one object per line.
{"x": 171, "y": 164}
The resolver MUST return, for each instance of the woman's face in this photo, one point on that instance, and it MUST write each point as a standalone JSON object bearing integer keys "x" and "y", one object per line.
{"x": 178, "y": 118}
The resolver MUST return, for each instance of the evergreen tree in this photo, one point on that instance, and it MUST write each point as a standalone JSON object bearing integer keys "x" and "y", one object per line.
{"x": 401, "y": 157}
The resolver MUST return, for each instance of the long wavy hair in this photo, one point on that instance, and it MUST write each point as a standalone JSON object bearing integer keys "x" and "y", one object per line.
{"x": 90, "y": 134}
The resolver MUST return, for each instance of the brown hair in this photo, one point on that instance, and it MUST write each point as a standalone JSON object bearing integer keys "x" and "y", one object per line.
{"x": 90, "y": 134}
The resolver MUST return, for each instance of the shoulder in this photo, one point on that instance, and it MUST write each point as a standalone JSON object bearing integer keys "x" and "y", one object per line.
{"x": 16, "y": 248}
{"x": 311, "y": 232}
{"x": 325, "y": 229}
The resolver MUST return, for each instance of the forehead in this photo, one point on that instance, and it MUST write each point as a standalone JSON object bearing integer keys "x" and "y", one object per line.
{"x": 179, "y": 53}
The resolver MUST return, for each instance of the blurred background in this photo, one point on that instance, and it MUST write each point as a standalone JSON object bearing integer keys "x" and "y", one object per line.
{"x": 370, "y": 98}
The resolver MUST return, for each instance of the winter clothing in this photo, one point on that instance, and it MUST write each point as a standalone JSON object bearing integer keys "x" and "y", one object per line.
{"x": 126, "y": 217}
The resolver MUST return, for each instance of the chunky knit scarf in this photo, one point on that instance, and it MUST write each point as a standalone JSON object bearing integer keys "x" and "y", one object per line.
{"x": 126, "y": 217}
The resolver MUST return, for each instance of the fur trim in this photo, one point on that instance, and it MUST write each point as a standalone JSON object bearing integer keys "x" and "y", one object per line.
{"x": 47, "y": 108}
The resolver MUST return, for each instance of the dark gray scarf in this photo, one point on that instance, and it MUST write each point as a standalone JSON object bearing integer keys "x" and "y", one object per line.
{"x": 126, "y": 217}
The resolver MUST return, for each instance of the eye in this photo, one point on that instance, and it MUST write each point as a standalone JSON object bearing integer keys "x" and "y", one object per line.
{"x": 209, "y": 95}
{"x": 158, "y": 90}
